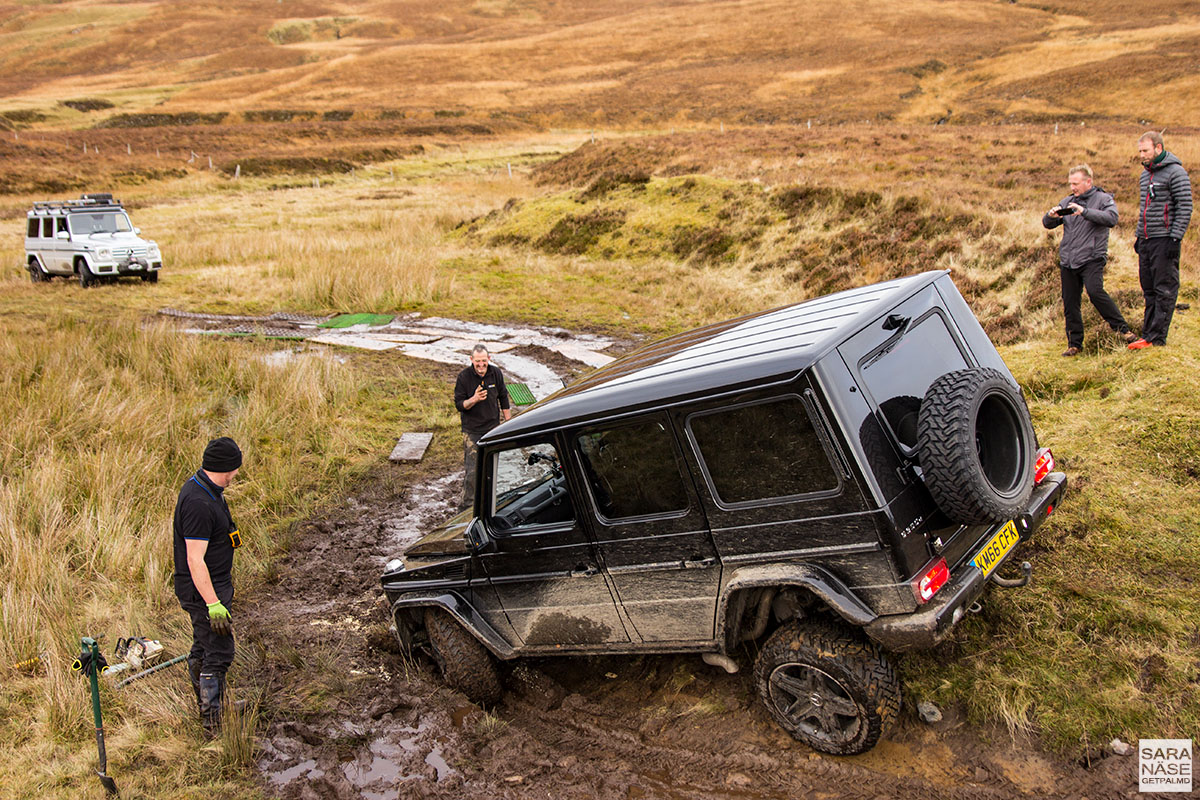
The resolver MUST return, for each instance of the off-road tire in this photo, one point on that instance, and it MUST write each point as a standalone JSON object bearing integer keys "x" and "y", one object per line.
{"x": 36, "y": 273}
{"x": 465, "y": 664}
{"x": 827, "y": 686}
{"x": 150, "y": 277}
{"x": 976, "y": 446}
{"x": 87, "y": 278}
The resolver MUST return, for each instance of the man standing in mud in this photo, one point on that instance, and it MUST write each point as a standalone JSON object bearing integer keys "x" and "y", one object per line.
{"x": 1086, "y": 215}
{"x": 1165, "y": 201}
{"x": 205, "y": 538}
{"x": 481, "y": 399}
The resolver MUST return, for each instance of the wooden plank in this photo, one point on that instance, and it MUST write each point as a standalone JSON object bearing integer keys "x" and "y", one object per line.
{"x": 411, "y": 447}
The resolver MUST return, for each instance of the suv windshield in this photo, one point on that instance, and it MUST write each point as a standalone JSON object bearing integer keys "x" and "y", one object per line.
{"x": 100, "y": 222}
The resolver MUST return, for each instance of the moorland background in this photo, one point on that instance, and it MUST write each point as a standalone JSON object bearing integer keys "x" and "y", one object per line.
{"x": 629, "y": 167}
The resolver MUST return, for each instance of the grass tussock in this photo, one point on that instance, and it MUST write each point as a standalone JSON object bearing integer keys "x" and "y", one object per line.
{"x": 810, "y": 239}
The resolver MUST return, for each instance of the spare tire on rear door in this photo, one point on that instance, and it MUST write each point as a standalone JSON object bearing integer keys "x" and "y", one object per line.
{"x": 976, "y": 446}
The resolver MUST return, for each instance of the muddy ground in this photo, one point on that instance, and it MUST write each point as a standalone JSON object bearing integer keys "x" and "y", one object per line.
{"x": 347, "y": 717}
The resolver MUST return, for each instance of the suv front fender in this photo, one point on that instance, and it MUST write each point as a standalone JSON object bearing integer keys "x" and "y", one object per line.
{"x": 462, "y": 611}
{"x": 814, "y": 579}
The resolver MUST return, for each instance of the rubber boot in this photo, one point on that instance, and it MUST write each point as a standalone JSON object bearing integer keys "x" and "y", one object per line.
{"x": 212, "y": 685}
{"x": 194, "y": 674}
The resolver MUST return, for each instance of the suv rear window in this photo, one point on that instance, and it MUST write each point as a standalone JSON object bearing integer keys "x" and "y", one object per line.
{"x": 34, "y": 228}
{"x": 898, "y": 375}
{"x": 762, "y": 451}
{"x": 632, "y": 470}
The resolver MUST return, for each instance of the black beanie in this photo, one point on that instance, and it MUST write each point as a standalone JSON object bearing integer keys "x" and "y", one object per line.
{"x": 222, "y": 455}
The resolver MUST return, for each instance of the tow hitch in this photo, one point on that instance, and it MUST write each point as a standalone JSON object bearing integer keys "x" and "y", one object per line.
{"x": 1013, "y": 583}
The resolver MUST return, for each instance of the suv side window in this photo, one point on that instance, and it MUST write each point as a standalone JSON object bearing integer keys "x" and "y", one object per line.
{"x": 632, "y": 470}
{"x": 528, "y": 488}
{"x": 61, "y": 225}
{"x": 760, "y": 451}
{"x": 48, "y": 228}
{"x": 34, "y": 228}
{"x": 898, "y": 375}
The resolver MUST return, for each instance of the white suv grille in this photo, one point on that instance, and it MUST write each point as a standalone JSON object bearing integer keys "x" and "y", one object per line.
{"x": 122, "y": 253}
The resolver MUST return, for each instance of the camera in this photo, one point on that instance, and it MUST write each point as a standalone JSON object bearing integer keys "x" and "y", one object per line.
{"x": 1065, "y": 210}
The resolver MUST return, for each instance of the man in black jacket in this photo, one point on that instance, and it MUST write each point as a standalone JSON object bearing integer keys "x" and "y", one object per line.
{"x": 1165, "y": 200}
{"x": 1087, "y": 215}
{"x": 205, "y": 538}
{"x": 481, "y": 399}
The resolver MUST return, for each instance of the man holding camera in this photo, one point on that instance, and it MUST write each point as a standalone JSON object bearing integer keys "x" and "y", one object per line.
{"x": 1086, "y": 215}
{"x": 1165, "y": 200}
{"x": 481, "y": 399}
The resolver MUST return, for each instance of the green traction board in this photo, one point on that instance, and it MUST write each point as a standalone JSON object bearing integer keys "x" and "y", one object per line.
{"x": 346, "y": 320}
{"x": 520, "y": 395}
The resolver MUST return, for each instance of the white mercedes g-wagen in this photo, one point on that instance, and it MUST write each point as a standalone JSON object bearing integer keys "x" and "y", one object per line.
{"x": 91, "y": 237}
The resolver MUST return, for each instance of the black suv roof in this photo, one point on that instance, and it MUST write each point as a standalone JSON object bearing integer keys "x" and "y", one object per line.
{"x": 755, "y": 349}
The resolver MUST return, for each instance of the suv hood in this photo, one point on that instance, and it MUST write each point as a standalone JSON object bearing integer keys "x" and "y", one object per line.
{"x": 113, "y": 239}
{"x": 447, "y": 540}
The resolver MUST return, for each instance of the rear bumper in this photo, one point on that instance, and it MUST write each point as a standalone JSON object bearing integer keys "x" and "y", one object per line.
{"x": 925, "y": 628}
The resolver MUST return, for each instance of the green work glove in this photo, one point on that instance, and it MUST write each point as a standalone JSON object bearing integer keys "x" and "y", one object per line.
{"x": 219, "y": 619}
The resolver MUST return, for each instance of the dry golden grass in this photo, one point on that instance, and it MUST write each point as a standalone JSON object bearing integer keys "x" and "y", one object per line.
{"x": 614, "y": 62}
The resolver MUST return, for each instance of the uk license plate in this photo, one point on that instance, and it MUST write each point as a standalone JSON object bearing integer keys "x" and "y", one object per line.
{"x": 997, "y": 548}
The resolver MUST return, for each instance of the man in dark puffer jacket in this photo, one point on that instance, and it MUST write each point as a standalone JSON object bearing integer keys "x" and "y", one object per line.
{"x": 1086, "y": 215}
{"x": 1165, "y": 200}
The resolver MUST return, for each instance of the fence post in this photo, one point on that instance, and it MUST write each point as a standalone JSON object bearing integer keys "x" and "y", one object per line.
{"x": 237, "y": 172}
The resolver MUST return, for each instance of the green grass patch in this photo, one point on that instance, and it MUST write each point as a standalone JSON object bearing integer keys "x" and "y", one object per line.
{"x": 347, "y": 320}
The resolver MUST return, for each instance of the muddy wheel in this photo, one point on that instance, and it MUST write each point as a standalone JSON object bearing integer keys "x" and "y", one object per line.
{"x": 827, "y": 687}
{"x": 36, "y": 273}
{"x": 465, "y": 663}
{"x": 150, "y": 277}
{"x": 86, "y": 277}
{"x": 975, "y": 443}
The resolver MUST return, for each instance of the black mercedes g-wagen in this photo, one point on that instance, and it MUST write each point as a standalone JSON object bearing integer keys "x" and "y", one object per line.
{"x": 829, "y": 480}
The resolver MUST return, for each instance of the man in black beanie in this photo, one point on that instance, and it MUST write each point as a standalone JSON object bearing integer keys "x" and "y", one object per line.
{"x": 205, "y": 538}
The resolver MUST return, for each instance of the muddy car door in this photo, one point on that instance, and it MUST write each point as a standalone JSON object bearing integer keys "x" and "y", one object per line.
{"x": 539, "y": 560}
{"x": 650, "y": 528}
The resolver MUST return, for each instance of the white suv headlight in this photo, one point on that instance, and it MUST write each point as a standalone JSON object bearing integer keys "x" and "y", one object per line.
{"x": 153, "y": 249}
{"x": 104, "y": 252}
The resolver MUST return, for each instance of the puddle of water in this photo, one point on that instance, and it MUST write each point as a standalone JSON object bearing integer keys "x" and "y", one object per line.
{"x": 308, "y": 769}
{"x": 460, "y": 714}
{"x": 381, "y": 768}
{"x": 435, "y": 760}
{"x": 435, "y": 503}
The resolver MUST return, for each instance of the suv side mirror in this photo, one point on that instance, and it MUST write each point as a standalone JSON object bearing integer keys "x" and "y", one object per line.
{"x": 475, "y": 534}
{"x": 137, "y": 231}
{"x": 66, "y": 237}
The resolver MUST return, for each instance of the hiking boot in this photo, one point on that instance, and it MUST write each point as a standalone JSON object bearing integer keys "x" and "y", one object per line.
{"x": 212, "y": 685}
{"x": 1140, "y": 344}
{"x": 1129, "y": 337}
{"x": 1071, "y": 352}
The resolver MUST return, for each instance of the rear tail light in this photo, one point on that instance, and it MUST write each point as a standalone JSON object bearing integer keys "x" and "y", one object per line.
{"x": 926, "y": 584}
{"x": 1043, "y": 466}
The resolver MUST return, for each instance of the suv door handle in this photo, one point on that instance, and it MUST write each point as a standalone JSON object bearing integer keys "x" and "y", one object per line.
{"x": 585, "y": 571}
{"x": 699, "y": 563}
